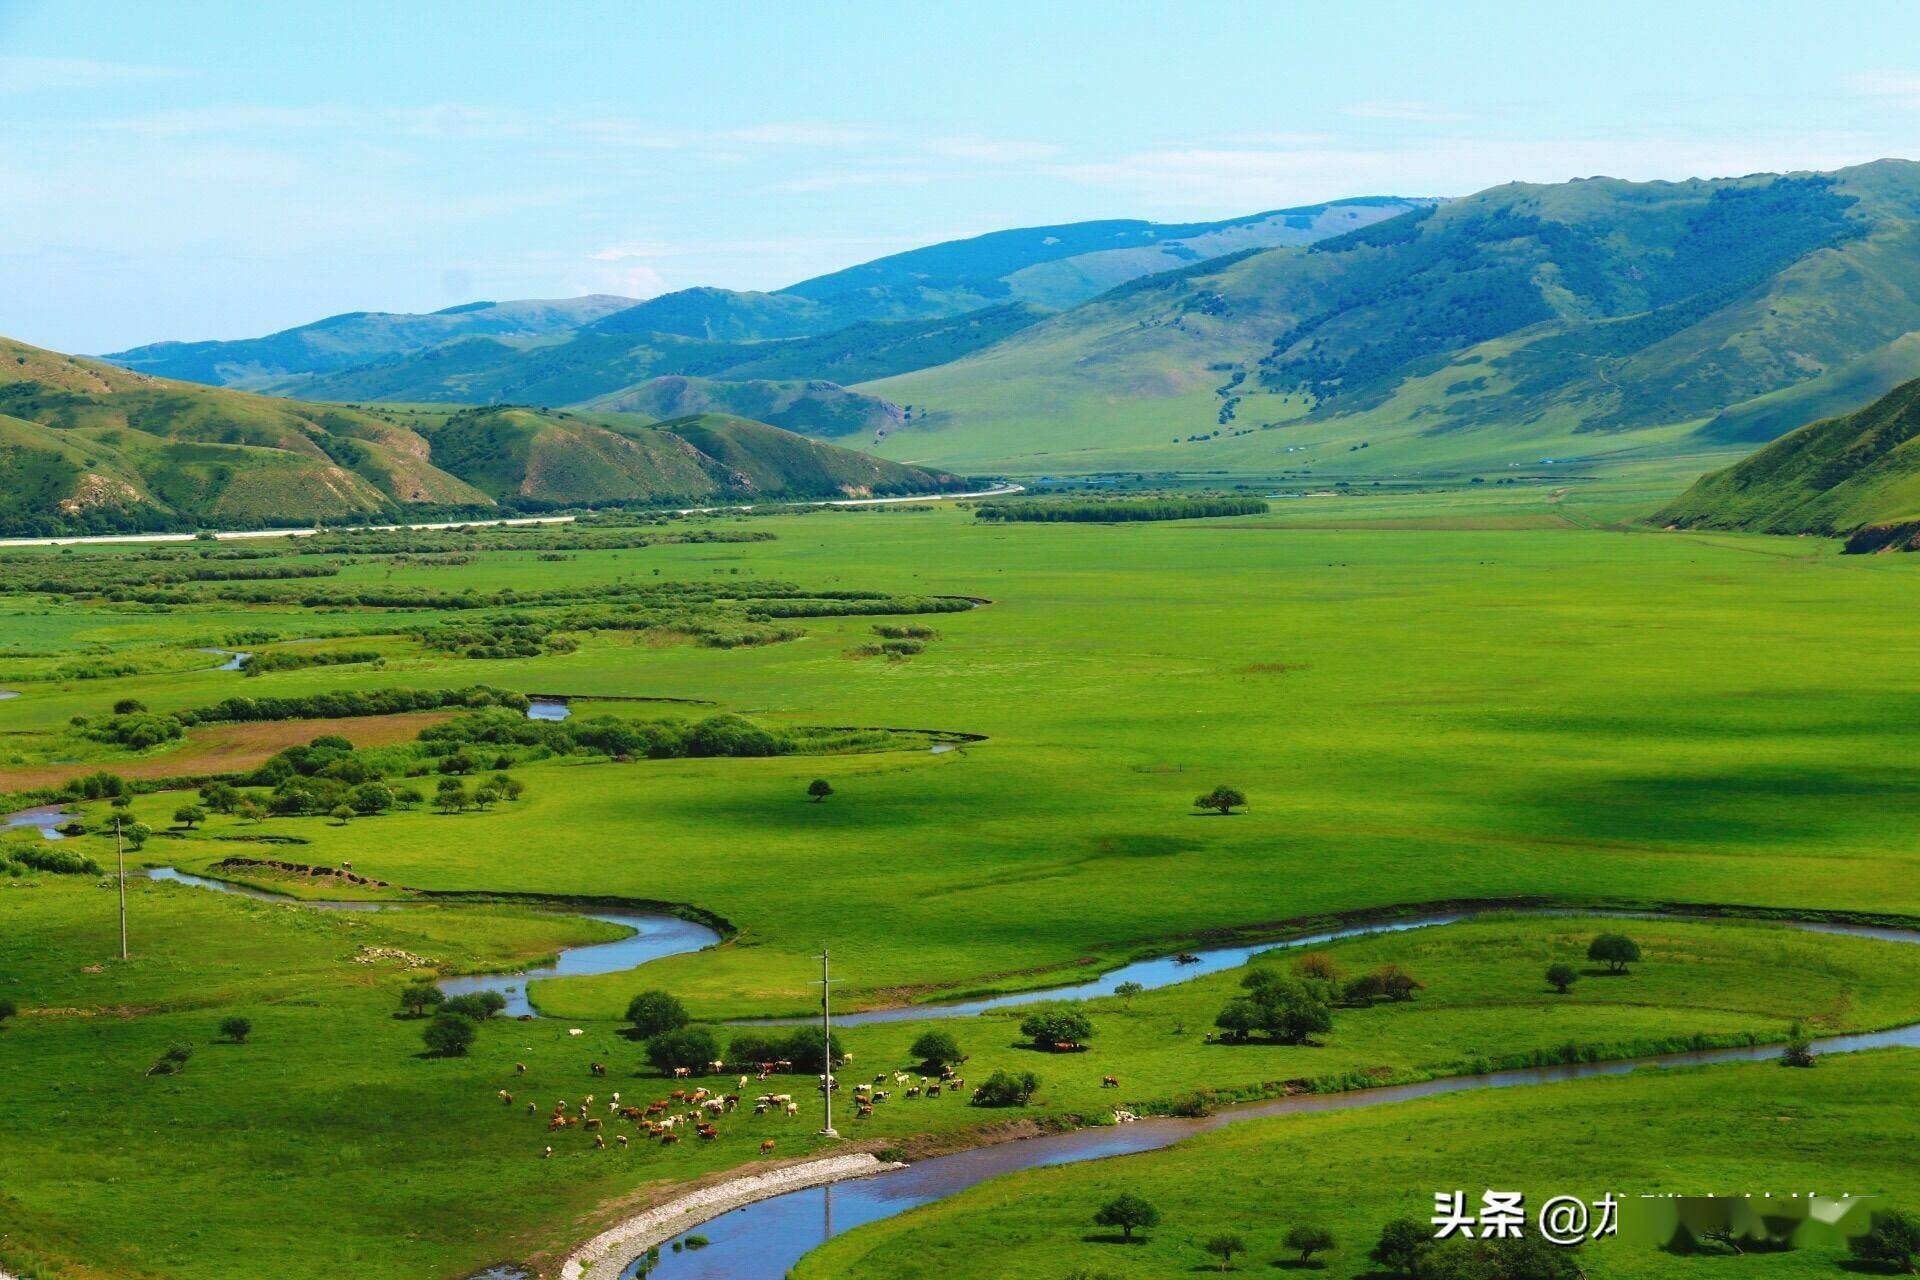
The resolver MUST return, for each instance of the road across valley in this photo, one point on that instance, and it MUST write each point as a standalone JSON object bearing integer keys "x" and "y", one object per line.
{"x": 229, "y": 535}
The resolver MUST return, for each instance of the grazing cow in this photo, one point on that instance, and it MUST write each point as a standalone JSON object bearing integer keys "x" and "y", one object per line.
{"x": 532, "y": 1110}
{"x": 901, "y": 1077}
{"x": 715, "y": 1067}
{"x": 1109, "y": 1082}
{"x": 597, "y": 1068}
{"x": 913, "y": 1091}
{"x": 714, "y": 1105}
{"x": 864, "y": 1111}
{"x": 782, "y": 1099}
{"x": 520, "y": 1067}
{"x": 506, "y": 1097}
{"x": 766, "y": 1148}
{"x": 933, "y": 1091}
{"x": 547, "y": 1154}
{"x": 593, "y": 1124}
{"x": 622, "y": 1140}
{"x": 668, "y": 1139}
{"x": 881, "y": 1078}
{"x": 707, "y": 1133}
{"x": 956, "y": 1084}
{"x": 793, "y": 1108}
{"x": 616, "y": 1095}
{"x": 759, "y": 1108}
{"x": 599, "y": 1143}
{"x": 682, "y": 1073}
{"x": 742, "y": 1086}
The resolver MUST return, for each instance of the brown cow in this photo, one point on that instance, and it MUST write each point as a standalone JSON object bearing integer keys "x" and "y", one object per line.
{"x": 766, "y": 1148}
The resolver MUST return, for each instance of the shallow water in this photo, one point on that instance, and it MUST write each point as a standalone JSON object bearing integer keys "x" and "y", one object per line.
{"x": 763, "y": 1241}
{"x": 48, "y": 818}
{"x": 234, "y": 658}
{"x": 654, "y": 935}
{"x": 540, "y": 709}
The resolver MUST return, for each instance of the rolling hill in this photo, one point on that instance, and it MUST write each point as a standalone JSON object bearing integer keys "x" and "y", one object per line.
{"x": 1574, "y": 322}
{"x": 341, "y": 341}
{"x": 820, "y": 409}
{"x": 908, "y": 311}
{"x": 1858, "y": 474}
{"x": 89, "y": 447}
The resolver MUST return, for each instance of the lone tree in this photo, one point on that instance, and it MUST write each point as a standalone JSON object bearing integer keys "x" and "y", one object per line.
{"x": 654, "y": 1013}
{"x": 1051, "y": 1028}
{"x": 819, "y": 789}
{"x": 418, "y": 997}
{"x": 1308, "y": 1238}
{"x": 689, "y": 1047}
{"x": 1799, "y": 1050}
{"x": 936, "y": 1050}
{"x": 189, "y": 816}
{"x": 1562, "y": 976}
{"x": 136, "y": 834}
{"x": 1400, "y": 1244}
{"x": 1128, "y": 1212}
{"x": 1223, "y": 800}
{"x": 450, "y": 1035}
{"x": 1006, "y": 1089}
{"x": 1128, "y": 990}
{"x": 1224, "y": 1246}
{"x": 236, "y": 1029}
{"x": 478, "y": 1005}
{"x": 1894, "y": 1242}
{"x": 1615, "y": 950}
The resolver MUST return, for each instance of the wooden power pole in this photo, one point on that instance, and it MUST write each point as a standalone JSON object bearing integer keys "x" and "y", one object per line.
{"x": 120, "y": 858}
{"x": 826, "y": 1041}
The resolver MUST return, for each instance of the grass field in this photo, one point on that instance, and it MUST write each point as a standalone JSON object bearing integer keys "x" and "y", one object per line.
{"x": 1843, "y": 1128}
{"x": 1492, "y": 693}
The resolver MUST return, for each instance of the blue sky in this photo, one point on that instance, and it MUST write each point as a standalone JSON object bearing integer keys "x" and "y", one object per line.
{"x": 190, "y": 170}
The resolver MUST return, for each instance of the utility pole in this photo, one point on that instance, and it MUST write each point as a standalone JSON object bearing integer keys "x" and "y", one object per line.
{"x": 120, "y": 857}
{"x": 826, "y": 1041}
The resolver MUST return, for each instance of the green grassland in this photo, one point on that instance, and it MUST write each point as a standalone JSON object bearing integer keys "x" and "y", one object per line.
{"x": 1487, "y": 692}
{"x": 1843, "y": 1128}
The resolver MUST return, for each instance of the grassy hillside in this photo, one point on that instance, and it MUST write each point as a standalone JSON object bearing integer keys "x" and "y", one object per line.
{"x": 530, "y": 457}
{"x": 1831, "y": 477}
{"x": 908, "y": 311}
{"x": 1581, "y": 321}
{"x": 88, "y": 447}
{"x": 810, "y": 408}
{"x": 356, "y": 337}
{"x": 599, "y": 361}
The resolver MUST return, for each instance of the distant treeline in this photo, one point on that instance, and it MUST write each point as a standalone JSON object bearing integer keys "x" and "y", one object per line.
{"x": 293, "y": 659}
{"x": 1120, "y": 510}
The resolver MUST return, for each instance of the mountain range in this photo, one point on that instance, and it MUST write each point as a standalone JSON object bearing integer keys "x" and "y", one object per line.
{"x": 1578, "y": 321}
{"x": 906, "y": 311}
{"x": 89, "y": 447}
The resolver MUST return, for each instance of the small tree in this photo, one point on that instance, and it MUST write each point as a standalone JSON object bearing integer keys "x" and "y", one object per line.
{"x": 418, "y": 997}
{"x": 1224, "y": 1246}
{"x": 1006, "y": 1089}
{"x": 250, "y": 811}
{"x": 370, "y": 798}
{"x": 653, "y": 1013}
{"x": 407, "y": 797}
{"x": 1308, "y": 1238}
{"x": 189, "y": 816}
{"x": 220, "y": 797}
{"x": 129, "y": 707}
{"x": 1317, "y": 966}
{"x": 1240, "y": 1018}
{"x": 485, "y": 796}
{"x": 1894, "y": 1242}
{"x": 689, "y": 1047}
{"x": 819, "y": 789}
{"x": 236, "y": 1029}
{"x": 1400, "y": 1243}
{"x": 1128, "y": 990}
{"x": 1128, "y": 1212}
{"x": 341, "y": 814}
{"x": 1562, "y": 976}
{"x": 936, "y": 1049}
{"x": 1222, "y": 800}
{"x": 450, "y": 1035}
{"x": 1799, "y": 1049}
{"x": 1615, "y": 950}
{"x": 1048, "y": 1028}
{"x": 137, "y": 834}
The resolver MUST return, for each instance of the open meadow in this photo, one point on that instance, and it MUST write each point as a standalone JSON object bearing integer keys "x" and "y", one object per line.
{"x": 1507, "y": 695}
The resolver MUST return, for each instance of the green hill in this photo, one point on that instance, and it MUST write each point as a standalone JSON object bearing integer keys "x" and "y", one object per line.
{"x": 339, "y": 342}
{"x": 908, "y": 311}
{"x": 811, "y": 408}
{"x": 1578, "y": 321}
{"x": 1858, "y": 474}
{"x": 87, "y": 447}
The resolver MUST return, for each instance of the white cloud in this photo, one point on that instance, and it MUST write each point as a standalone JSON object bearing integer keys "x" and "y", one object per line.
{"x": 33, "y": 75}
{"x": 794, "y": 134}
{"x": 992, "y": 150}
{"x": 1902, "y": 90}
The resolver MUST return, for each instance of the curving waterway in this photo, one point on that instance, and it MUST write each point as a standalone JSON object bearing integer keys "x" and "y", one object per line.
{"x": 763, "y": 1241}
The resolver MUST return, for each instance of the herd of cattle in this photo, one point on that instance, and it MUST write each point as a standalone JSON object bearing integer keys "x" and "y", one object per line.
{"x": 664, "y": 1119}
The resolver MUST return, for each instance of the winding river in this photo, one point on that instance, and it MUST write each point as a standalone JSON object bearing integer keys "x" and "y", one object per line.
{"x": 763, "y": 1241}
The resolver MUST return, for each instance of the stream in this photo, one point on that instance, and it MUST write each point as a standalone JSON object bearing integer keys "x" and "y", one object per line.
{"x": 762, "y": 1241}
